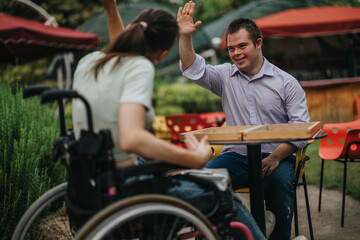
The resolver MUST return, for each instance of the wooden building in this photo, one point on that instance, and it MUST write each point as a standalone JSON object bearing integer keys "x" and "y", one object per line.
{"x": 331, "y": 101}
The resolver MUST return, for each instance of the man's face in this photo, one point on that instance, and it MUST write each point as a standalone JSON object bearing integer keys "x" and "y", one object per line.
{"x": 244, "y": 54}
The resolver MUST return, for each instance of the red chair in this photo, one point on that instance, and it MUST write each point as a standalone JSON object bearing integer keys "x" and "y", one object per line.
{"x": 356, "y": 109}
{"x": 184, "y": 123}
{"x": 342, "y": 144}
{"x": 214, "y": 119}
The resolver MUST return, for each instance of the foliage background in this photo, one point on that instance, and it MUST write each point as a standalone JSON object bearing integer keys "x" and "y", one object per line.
{"x": 27, "y": 131}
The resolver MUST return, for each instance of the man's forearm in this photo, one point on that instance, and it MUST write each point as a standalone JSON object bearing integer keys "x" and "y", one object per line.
{"x": 186, "y": 51}
{"x": 283, "y": 151}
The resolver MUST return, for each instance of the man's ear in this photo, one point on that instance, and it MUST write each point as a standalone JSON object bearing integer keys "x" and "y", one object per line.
{"x": 259, "y": 43}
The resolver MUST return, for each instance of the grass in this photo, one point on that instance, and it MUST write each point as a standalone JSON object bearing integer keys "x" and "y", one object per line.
{"x": 333, "y": 173}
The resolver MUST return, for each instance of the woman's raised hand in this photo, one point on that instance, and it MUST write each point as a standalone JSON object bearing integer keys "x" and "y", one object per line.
{"x": 115, "y": 23}
{"x": 108, "y": 4}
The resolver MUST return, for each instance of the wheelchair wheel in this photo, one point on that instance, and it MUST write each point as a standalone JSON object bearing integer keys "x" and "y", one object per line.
{"x": 46, "y": 218}
{"x": 149, "y": 216}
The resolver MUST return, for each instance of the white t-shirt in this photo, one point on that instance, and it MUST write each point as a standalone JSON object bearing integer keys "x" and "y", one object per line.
{"x": 131, "y": 80}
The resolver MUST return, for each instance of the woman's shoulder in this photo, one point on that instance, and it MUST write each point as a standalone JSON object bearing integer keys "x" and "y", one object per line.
{"x": 91, "y": 57}
{"x": 138, "y": 60}
{"x": 137, "y": 64}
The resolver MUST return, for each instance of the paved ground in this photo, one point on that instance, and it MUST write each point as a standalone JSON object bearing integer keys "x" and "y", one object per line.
{"x": 326, "y": 224}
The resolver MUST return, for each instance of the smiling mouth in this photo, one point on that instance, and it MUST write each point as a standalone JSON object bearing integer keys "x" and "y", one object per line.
{"x": 240, "y": 60}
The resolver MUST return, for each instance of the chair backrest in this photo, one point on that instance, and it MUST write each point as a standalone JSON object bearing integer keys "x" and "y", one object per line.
{"x": 301, "y": 155}
{"x": 356, "y": 108}
{"x": 217, "y": 149}
{"x": 214, "y": 119}
{"x": 184, "y": 123}
{"x": 331, "y": 147}
{"x": 352, "y": 138}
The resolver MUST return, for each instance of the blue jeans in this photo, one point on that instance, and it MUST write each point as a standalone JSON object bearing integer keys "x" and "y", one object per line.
{"x": 278, "y": 187}
{"x": 187, "y": 189}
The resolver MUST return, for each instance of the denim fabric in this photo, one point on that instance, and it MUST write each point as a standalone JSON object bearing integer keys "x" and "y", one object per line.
{"x": 187, "y": 189}
{"x": 278, "y": 187}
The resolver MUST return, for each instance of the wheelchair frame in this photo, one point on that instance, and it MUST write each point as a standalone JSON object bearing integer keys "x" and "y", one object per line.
{"x": 188, "y": 221}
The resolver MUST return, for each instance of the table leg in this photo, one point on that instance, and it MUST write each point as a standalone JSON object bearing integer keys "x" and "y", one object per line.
{"x": 256, "y": 185}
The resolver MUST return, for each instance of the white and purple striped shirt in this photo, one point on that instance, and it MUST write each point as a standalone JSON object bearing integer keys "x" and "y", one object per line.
{"x": 272, "y": 96}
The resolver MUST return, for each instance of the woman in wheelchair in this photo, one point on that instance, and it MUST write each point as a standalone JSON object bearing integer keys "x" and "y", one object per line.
{"x": 118, "y": 84}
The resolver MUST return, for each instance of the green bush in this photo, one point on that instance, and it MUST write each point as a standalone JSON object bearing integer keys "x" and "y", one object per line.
{"x": 27, "y": 131}
{"x": 177, "y": 98}
{"x": 23, "y": 74}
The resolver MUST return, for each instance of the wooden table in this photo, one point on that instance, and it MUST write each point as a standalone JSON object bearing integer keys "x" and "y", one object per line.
{"x": 253, "y": 137}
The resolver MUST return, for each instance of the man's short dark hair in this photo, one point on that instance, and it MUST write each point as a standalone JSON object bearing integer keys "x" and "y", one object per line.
{"x": 248, "y": 24}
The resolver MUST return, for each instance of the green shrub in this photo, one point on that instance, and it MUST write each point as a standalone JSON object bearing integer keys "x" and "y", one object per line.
{"x": 27, "y": 131}
{"x": 176, "y": 98}
{"x": 23, "y": 74}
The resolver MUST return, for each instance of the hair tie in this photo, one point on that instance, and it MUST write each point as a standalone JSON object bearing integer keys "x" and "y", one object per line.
{"x": 143, "y": 24}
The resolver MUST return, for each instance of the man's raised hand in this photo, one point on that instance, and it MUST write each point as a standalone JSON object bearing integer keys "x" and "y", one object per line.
{"x": 185, "y": 19}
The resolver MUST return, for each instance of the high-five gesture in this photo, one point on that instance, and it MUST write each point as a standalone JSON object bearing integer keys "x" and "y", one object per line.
{"x": 185, "y": 19}
{"x": 186, "y": 28}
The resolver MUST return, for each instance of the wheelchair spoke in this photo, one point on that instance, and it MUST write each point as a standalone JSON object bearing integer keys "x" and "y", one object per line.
{"x": 153, "y": 217}
{"x": 172, "y": 230}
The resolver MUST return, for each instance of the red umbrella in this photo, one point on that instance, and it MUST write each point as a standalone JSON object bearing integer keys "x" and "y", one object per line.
{"x": 313, "y": 21}
{"x": 23, "y": 40}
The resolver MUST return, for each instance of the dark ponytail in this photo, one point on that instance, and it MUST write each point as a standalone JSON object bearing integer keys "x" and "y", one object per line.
{"x": 152, "y": 31}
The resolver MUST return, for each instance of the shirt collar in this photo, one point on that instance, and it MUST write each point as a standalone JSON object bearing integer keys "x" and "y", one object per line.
{"x": 266, "y": 69}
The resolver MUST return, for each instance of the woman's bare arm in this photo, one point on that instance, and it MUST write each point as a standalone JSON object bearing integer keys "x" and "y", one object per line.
{"x": 134, "y": 138}
{"x": 115, "y": 22}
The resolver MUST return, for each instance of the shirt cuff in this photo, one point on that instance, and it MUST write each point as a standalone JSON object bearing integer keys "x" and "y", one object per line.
{"x": 196, "y": 70}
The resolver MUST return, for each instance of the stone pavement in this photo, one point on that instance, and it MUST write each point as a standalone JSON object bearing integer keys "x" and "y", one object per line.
{"x": 326, "y": 224}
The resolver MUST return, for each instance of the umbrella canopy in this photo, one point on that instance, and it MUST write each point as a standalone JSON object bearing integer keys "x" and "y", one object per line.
{"x": 314, "y": 21}
{"x": 255, "y": 10}
{"x": 315, "y": 42}
{"x": 23, "y": 40}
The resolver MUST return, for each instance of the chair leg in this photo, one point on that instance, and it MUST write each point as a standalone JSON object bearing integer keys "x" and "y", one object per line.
{"x": 321, "y": 183}
{"x": 296, "y": 220}
{"x": 308, "y": 207}
{"x": 343, "y": 197}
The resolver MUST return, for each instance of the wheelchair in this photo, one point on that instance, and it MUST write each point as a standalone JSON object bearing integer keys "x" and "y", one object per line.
{"x": 96, "y": 204}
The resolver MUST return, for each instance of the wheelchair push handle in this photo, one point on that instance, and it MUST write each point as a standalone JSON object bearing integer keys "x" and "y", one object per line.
{"x": 35, "y": 90}
{"x": 52, "y": 95}
{"x": 55, "y": 94}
